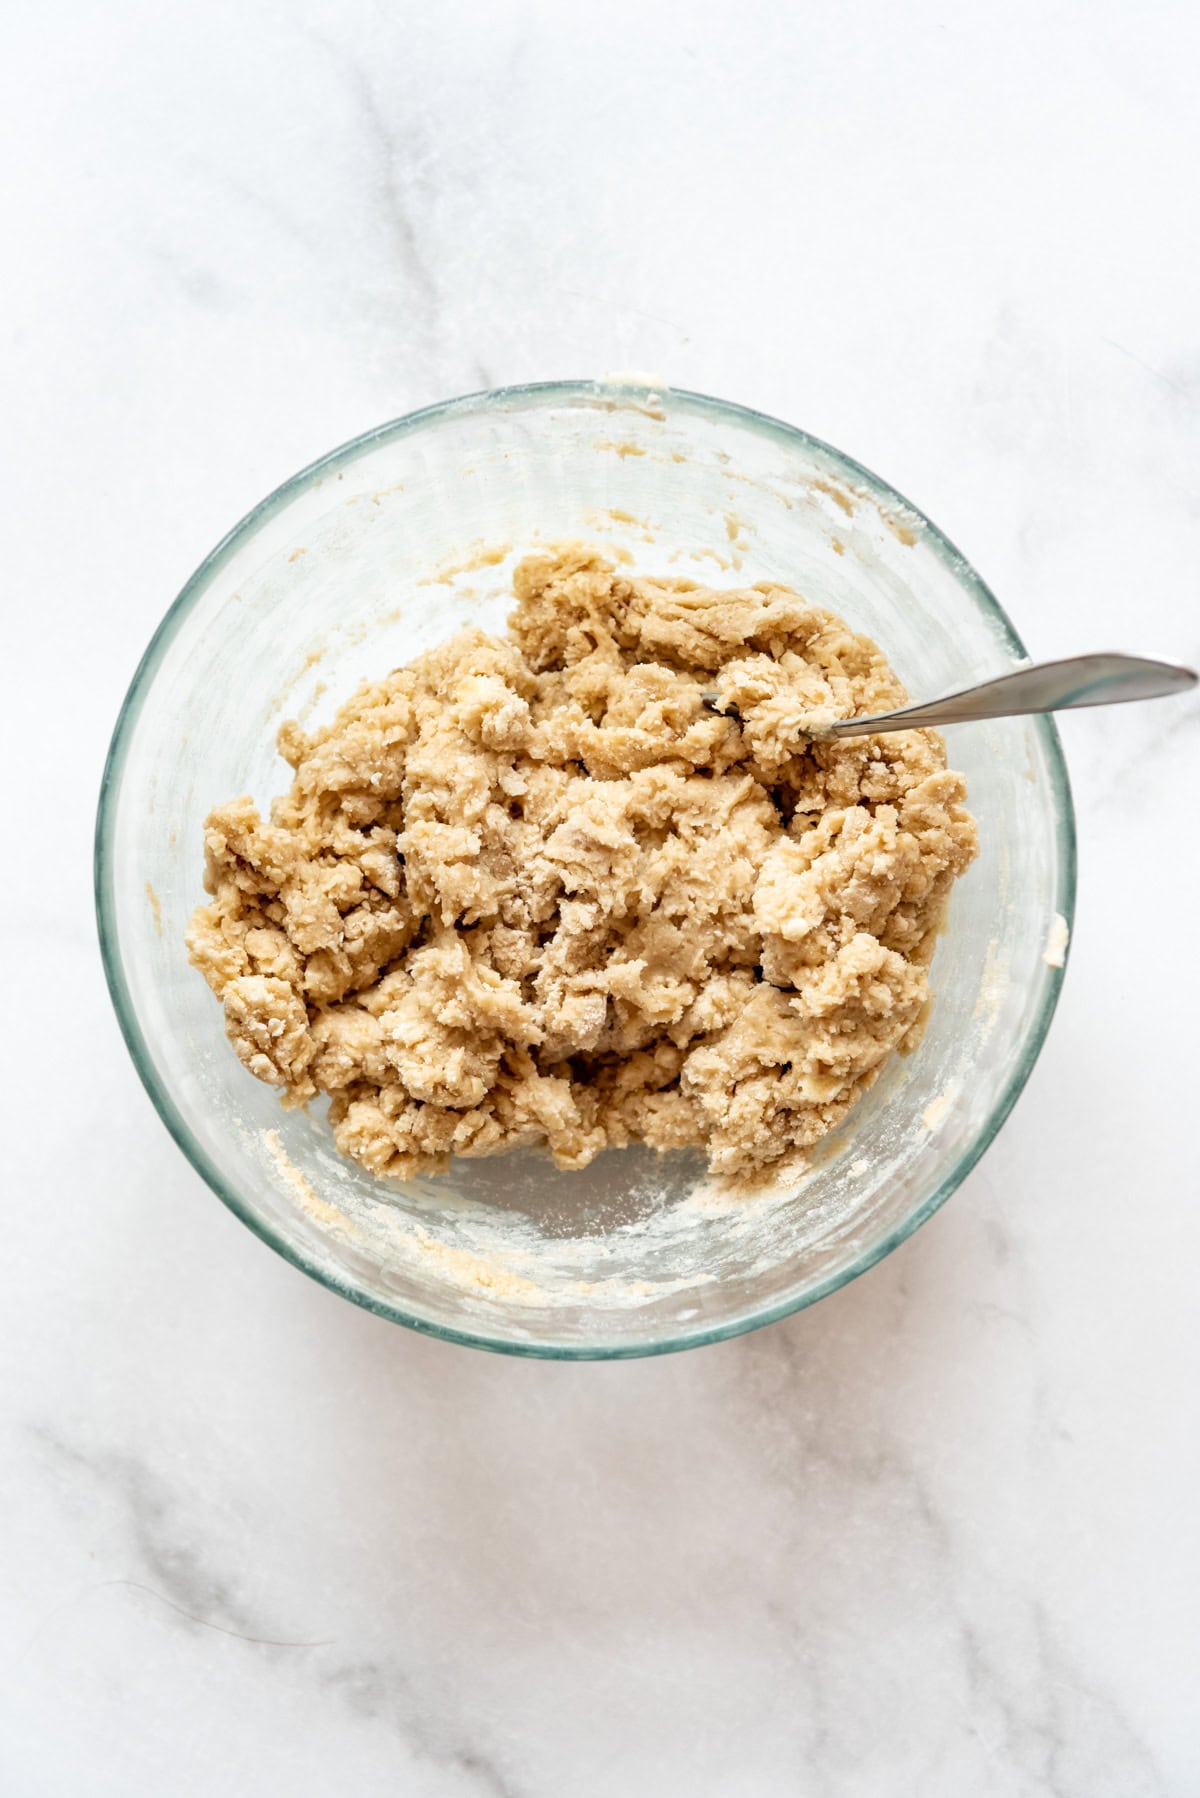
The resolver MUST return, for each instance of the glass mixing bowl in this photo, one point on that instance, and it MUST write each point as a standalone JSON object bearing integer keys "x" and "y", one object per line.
{"x": 382, "y": 549}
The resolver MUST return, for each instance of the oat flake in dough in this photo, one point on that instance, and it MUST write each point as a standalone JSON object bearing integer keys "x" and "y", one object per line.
{"x": 529, "y": 890}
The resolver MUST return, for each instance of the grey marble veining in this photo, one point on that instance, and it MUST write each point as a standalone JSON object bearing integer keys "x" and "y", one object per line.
{"x": 937, "y": 1536}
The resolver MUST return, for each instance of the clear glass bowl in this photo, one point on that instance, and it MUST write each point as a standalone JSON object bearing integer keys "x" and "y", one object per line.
{"x": 380, "y": 550}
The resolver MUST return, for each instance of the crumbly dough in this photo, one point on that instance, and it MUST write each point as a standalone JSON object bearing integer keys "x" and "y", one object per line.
{"x": 530, "y": 890}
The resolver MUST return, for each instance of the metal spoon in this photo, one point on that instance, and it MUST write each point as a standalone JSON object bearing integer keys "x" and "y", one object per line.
{"x": 1045, "y": 687}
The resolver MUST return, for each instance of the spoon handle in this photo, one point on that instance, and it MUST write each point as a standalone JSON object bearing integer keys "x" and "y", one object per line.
{"x": 1046, "y": 687}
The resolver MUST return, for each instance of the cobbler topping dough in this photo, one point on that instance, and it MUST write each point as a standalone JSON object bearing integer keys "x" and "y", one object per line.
{"x": 530, "y": 890}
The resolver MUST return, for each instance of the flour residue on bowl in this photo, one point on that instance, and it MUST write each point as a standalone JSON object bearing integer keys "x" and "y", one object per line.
{"x": 1055, "y": 953}
{"x": 935, "y": 1112}
{"x": 301, "y": 1187}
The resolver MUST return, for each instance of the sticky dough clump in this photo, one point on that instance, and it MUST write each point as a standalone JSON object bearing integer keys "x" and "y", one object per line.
{"x": 531, "y": 890}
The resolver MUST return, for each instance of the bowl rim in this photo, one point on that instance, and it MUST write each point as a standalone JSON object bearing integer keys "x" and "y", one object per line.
{"x": 516, "y": 398}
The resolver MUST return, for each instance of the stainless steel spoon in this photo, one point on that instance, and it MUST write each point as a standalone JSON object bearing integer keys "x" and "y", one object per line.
{"x": 1045, "y": 687}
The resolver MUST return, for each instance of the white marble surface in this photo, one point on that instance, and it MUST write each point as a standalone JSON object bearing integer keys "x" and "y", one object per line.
{"x": 937, "y": 1536}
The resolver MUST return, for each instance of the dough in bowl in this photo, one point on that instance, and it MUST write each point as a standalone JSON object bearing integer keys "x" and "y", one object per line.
{"x": 531, "y": 890}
